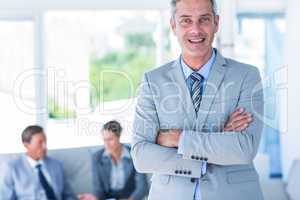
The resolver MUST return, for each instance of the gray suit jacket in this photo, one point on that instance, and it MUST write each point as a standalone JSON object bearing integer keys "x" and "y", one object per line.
{"x": 135, "y": 183}
{"x": 164, "y": 103}
{"x": 17, "y": 181}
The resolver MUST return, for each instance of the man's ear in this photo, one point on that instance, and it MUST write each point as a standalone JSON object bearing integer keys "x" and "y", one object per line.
{"x": 173, "y": 25}
{"x": 217, "y": 22}
{"x": 26, "y": 145}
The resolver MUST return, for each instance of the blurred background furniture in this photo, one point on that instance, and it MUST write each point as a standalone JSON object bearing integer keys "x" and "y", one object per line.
{"x": 77, "y": 164}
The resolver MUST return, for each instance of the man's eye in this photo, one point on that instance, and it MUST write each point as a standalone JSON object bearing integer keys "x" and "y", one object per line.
{"x": 205, "y": 19}
{"x": 186, "y": 21}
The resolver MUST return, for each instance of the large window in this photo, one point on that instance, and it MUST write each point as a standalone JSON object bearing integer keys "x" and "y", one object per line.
{"x": 95, "y": 62}
{"x": 260, "y": 43}
{"x": 250, "y": 42}
{"x": 17, "y": 88}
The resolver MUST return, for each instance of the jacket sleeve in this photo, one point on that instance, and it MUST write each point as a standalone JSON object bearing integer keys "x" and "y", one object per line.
{"x": 141, "y": 186}
{"x": 147, "y": 156}
{"x": 98, "y": 190}
{"x": 68, "y": 193}
{"x": 7, "y": 187}
{"x": 230, "y": 148}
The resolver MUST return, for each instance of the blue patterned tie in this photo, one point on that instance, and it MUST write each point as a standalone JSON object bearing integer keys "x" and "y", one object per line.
{"x": 196, "y": 89}
{"x": 46, "y": 186}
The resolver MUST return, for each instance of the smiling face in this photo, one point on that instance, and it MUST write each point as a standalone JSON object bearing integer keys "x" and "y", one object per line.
{"x": 195, "y": 25}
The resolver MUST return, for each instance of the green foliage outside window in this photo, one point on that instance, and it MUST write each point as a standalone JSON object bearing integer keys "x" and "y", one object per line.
{"x": 59, "y": 112}
{"x": 117, "y": 75}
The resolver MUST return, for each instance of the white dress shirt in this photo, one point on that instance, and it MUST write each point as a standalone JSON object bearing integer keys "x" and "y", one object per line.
{"x": 33, "y": 163}
{"x": 117, "y": 175}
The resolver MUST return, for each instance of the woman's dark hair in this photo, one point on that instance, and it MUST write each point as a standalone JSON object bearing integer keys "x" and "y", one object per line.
{"x": 113, "y": 126}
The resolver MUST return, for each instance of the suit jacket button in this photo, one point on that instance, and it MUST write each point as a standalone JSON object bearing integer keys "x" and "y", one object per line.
{"x": 193, "y": 180}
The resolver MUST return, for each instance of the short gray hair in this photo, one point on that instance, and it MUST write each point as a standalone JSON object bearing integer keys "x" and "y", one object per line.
{"x": 174, "y": 2}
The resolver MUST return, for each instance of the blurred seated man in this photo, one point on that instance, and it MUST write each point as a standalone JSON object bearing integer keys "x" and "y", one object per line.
{"x": 34, "y": 176}
{"x": 114, "y": 176}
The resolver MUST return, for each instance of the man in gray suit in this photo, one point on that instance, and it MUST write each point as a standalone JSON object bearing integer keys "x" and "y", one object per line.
{"x": 34, "y": 176}
{"x": 183, "y": 131}
{"x": 114, "y": 176}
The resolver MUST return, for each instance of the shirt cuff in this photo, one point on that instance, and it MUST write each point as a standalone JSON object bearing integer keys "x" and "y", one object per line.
{"x": 180, "y": 149}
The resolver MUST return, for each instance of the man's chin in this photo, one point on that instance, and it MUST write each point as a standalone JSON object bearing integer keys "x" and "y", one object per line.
{"x": 43, "y": 156}
{"x": 199, "y": 52}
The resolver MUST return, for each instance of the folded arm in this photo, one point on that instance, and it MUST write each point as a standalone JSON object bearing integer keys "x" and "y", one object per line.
{"x": 234, "y": 147}
{"x": 149, "y": 157}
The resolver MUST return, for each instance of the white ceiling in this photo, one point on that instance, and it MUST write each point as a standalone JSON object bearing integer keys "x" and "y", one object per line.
{"x": 29, "y": 6}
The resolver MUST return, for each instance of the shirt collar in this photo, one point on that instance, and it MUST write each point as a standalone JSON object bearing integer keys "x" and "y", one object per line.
{"x": 204, "y": 71}
{"x": 33, "y": 163}
{"x": 125, "y": 153}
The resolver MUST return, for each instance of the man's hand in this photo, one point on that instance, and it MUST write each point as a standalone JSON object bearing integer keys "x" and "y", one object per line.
{"x": 168, "y": 138}
{"x": 238, "y": 120}
{"x": 86, "y": 197}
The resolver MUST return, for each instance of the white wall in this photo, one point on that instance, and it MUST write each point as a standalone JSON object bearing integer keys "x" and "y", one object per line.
{"x": 227, "y": 30}
{"x": 38, "y": 5}
{"x": 291, "y": 139}
{"x": 270, "y": 6}
{"x": 81, "y": 4}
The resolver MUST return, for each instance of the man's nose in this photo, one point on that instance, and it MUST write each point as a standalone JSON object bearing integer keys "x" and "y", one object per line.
{"x": 196, "y": 28}
{"x": 44, "y": 146}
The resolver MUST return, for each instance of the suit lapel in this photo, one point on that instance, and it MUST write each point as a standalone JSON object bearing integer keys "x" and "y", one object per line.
{"x": 52, "y": 174}
{"x": 213, "y": 83}
{"x": 29, "y": 170}
{"x": 27, "y": 166}
{"x": 50, "y": 170}
{"x": 177, "y": 76}
{"x": 127, "y": 168}
{"x": 106, "y": 167}
{"x": 32, "y": 177}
